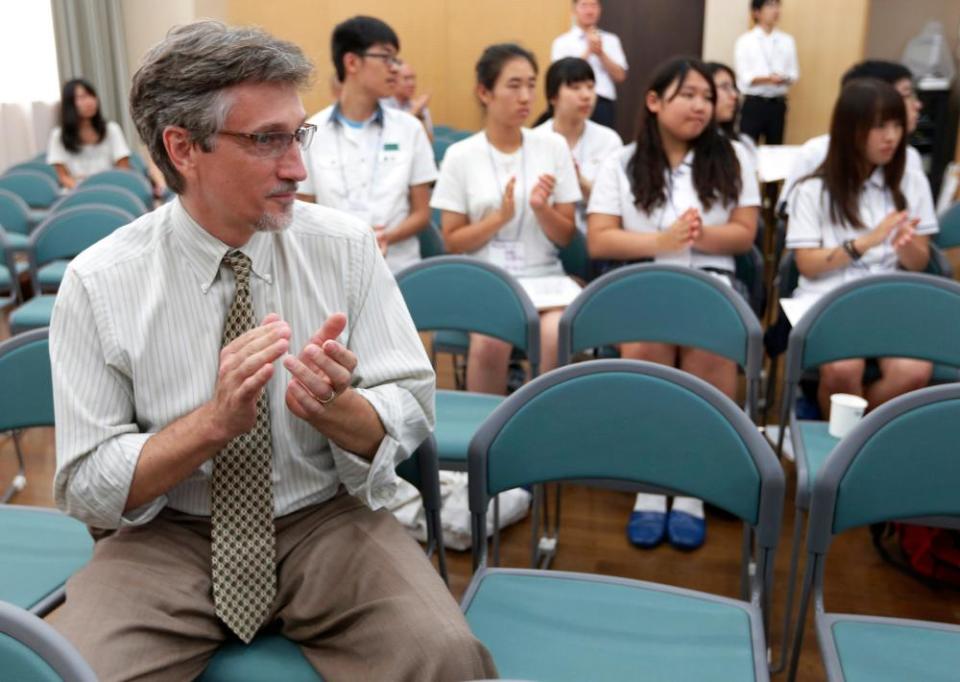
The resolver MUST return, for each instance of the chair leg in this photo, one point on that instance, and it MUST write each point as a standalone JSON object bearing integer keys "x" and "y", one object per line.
{"x": 747, "y": 564}
{"x": 435, "y": 543}
{"x": 496, "y": 530}
{"x": 544, "y": 545}
{"x": 791, "y": 587}
{"x": 808, "y": 579}
{"x": 19, "y": 481}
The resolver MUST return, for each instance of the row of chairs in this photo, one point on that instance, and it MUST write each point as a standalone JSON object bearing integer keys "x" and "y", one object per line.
{"x": 626, "y": 414}
{"x": 443, "y": 137}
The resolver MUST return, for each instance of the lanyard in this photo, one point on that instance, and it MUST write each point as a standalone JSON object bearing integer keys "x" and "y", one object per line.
{"x": 341, "y": 164}
{"x": 521, "y": 207}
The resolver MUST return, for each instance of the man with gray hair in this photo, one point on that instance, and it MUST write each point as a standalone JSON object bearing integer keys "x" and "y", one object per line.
{"x": 235, "y": 379}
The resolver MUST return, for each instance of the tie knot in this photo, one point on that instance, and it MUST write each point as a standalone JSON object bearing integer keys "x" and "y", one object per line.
{"x": 239, "y": 262}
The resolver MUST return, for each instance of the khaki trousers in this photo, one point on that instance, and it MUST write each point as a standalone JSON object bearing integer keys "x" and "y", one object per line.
{"x": 354, "y": 591}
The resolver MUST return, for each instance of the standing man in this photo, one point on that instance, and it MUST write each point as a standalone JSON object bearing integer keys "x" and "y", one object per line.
{"x": 235, "y": 379}
{"x": 405, "y": 98}
{"x": 766, "y": 65}
{"x": 604, "y": 52}
{"x": 371, "y": 161}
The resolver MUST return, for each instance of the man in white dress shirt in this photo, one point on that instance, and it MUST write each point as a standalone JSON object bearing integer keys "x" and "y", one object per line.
{"x": 604, "y": 52}
{"x": 766, "y": 65}
{"x": 236, "y": 378}
{"x": 373, "y": 162}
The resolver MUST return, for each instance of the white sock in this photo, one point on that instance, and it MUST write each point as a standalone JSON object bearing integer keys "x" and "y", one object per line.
{"x": 650, "y": 503}
{"x": 690, "y": 505}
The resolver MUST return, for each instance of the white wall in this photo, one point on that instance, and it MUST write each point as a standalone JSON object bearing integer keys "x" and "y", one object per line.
{"x": 723, "y": 22}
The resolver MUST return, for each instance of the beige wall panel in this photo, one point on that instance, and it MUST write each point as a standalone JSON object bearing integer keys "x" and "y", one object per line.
{"x": 723, "y": 22}
{"x": 831, "y": 36}
{"x": 441, "y": 38}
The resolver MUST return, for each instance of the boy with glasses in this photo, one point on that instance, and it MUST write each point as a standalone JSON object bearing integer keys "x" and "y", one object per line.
{"x": 373, "y": 162}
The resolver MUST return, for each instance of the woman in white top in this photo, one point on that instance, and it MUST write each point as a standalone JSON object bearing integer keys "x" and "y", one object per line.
{"x": 507, "y": 195}
{"x": 572, "y": 97}
{"x": 727, "y": 108}
{"x": 682, "y": 194}
{"x": 84, "y": 144}
{"x": 863, "y": 212}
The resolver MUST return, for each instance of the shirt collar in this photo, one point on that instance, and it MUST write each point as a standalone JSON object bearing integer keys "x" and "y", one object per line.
{"x": 877, "y": 178}
{"x": 685, "y": 165}
{"x": 205, "y": 253}
{"x": 334, "y": 118}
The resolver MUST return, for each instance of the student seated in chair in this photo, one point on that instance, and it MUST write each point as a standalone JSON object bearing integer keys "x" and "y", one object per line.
{"x": 236, "y": 378}
{"x": 863, "y": 212}
{"x": 682, "y": 194}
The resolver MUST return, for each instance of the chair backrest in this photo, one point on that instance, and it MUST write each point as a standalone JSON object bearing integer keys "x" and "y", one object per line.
{"x": 66, "y": 233}
{"x": 30, "y": 649}
{"x": 35, "y": 188}
{"x": 14, "y": 213}
{"x": 664, "y": 303}
{"x": 38, "y": 166}
{"x": 575, "y": 257}
{"x": 949, "y": 235}
{"x": 894, "y": 315}
{"x": 431, "y": 242}
{"x": 471, "y": 295}
{"x": 104, "y": 195}
{"x": 27, "y": 396}
{"x": 750, "y": 271}
{"x": 899, "y": 462}
{"x": 9, "y": 280}
{"x": 128, "y": 179}
{"x": 633, "y": 421}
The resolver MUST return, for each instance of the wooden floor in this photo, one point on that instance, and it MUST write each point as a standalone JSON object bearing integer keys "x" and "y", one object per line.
{"x": 593, "y": 539}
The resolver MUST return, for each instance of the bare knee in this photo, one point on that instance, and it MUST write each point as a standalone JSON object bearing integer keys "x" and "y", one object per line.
{"x": 661, "y": 353}
{"x": 908, "y": 374}
{"x": 488, "y": 352}
{"x": 715, "y": 369}
{"x": 843, "y": 376}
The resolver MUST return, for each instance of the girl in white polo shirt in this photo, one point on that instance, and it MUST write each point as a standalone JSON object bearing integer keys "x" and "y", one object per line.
{"x": 682, "y": 194}
{"x": 572, "y": 97}
{"x": 507, "y": 195}
{"x": 862, "y": 212}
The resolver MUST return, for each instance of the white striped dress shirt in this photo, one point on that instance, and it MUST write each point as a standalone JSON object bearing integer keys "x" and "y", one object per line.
{"x": 135, "y": 343}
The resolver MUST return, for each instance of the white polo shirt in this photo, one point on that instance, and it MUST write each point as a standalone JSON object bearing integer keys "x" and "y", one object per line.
{"x": 473, "y": 178}
{"x": 811, "y": 226}
{"x": 574, "y": 43}
{"x": 757, "y": 54}
{"x": 596, "y": 143}
{"x": 368, "y": 171}
{"x": 613, "y": 195}
{"x": 92, "y": 158}
{"x": 813, "y": 152}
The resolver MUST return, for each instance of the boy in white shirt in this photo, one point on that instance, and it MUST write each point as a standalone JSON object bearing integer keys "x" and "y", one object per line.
{"x": 765, "y": 60}
{"x": 371, "y": 161}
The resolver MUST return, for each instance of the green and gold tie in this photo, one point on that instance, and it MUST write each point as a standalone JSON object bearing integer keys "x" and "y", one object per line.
{"x": 243, "y": 556}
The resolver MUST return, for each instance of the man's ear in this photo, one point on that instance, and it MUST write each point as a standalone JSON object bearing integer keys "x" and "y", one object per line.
{"x": 181, "y": 149}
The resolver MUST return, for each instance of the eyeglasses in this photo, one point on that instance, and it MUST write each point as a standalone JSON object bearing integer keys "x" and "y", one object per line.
{"x": 728, "y": 87}
{"x": 389, "y": 59}
{"x": 272, "y": 145}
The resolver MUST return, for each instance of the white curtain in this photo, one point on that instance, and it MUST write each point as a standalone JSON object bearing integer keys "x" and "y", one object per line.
{"x": 24, "y": 130}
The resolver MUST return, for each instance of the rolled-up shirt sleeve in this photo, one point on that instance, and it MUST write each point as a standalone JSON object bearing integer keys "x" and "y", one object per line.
{"x": 393, "y": 374}
{"x": 97, "y": 439}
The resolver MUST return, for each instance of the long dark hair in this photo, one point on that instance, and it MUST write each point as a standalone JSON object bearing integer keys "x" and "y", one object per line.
{"x": 716, "y": 169}
{"x": 70, "y": 119}
{"x": 729, "y": 128}
{"x": 863, "y": 104}
{"x": 566, "y": 71}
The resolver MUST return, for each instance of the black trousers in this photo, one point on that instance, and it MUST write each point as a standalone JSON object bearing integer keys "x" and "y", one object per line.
{"x": 764, "y": 117}
{"x": 605, "y": 113}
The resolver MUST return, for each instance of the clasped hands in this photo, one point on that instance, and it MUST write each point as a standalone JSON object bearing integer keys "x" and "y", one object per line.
{"x": 683, "y": 233}
{"x": 321, "y": 372}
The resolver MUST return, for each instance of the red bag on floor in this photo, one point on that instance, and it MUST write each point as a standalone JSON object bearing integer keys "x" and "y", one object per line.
{"x": 931, "y": 554}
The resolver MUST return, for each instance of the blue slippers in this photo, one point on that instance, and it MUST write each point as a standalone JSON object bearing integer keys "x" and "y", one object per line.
{"x": 646, "y": 528}
{"x": 685, "y": 531}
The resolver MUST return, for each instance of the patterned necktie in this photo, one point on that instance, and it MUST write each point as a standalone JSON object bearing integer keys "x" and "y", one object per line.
{"x": 243, "y": 557}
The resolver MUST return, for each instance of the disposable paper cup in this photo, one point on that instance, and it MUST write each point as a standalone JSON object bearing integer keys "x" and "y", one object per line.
{"x": 845, "y": 411}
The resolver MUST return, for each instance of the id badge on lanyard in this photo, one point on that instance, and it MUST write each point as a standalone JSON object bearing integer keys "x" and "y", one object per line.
{"x": 509, "y": 255}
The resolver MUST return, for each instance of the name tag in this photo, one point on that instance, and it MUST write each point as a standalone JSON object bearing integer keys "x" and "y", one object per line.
{"x": 509, "y": 255}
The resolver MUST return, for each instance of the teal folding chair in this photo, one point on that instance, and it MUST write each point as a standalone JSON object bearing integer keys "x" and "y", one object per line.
{"x": 103, "y": 195}
{"x": 949, "y": 235}
{"x": 36, "y": 166}
{"x": 899, "y": 463}
{"x": 15, "y": 219}
{"x": 895, "y": 315}
{"x": 40, "y": 548}
{"x": 58, "y": 239}
{"x": 271, "y": 656}
{"x": 31, "y": 649}
{"x": 9, "y": 276}
{"x": 119, "y": 177}
{"x": 619, "y": 420}
{"x": 35, "y": 188}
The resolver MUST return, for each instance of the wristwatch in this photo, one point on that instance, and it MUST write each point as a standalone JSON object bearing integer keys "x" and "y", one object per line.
{"x": 851, "y": 250}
